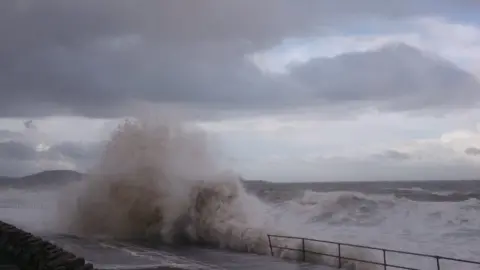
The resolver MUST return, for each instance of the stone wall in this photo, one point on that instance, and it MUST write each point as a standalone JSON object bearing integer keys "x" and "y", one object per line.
{"x": 30, "y": 252}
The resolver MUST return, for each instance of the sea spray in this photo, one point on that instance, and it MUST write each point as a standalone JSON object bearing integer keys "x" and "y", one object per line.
{"x": 162, "y": 181}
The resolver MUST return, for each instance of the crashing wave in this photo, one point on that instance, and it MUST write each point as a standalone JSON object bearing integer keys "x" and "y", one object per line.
{"x": 161, "y": 182}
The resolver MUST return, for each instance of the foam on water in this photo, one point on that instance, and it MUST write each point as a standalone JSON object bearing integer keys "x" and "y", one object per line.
{"x": 440, "y": 228}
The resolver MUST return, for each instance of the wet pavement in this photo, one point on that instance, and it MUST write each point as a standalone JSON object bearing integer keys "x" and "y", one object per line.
{"x": 122, "y": 255}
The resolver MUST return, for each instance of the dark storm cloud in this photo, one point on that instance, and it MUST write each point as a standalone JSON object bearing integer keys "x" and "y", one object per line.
{"x": 472, "y": 151}
{"x": 71, "y": 23}
{"x": 95, "y": 57}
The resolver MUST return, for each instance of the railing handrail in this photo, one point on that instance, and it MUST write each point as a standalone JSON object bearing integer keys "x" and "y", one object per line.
{"x": 384, "y": 250}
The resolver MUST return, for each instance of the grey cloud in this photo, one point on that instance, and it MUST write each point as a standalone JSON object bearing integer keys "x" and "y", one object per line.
{"x": 77, "y": 151}
{"x": 17, "y": 158}
{"x": 472, "y": 151}
{"x": 101, "y": 82}
{"x": 96, "y": 58}
{"x": 393, "y": 155}
{"x": 16, "y": 151}
{"x": 351, "y": 169}
{"x": 29, "y": 124}
{"x": 70, "y": 23}
{"x": 396, "y": 77}
{"x": 8, "y": 135}
{"x": 14, "y": 168}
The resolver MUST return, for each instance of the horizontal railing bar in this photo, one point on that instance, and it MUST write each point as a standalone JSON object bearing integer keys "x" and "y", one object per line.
{"x": 457, "y": 260}
{"x": 353, "y": 245}
{"x": 378, "y": 263}
{"x": 287, "y": 248}
{"x": 306, "y": 250}
{"x": 360, "y": 260}
{"x": 376, "y": 248}
{"x": 348, "y": 258}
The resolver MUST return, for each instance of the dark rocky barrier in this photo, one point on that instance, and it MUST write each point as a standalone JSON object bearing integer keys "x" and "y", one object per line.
{"x": 29, "y": 252}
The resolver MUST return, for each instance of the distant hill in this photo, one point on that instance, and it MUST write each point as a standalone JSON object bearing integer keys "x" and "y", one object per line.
{"x": 42, "y": 179}
{"x": 57, "y": 178}
{"x": 60, "y": 177}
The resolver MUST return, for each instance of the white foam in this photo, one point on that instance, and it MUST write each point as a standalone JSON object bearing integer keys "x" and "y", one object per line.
{"x": 440, "y": 228}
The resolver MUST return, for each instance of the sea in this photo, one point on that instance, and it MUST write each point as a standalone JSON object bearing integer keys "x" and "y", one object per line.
{"x": 157, "y": 201}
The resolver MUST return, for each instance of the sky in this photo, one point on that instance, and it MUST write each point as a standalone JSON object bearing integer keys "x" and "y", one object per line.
{"x": 289, "y": 90}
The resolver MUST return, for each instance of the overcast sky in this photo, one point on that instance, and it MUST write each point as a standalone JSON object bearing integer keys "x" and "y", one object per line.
{"x": 298, "y": 90}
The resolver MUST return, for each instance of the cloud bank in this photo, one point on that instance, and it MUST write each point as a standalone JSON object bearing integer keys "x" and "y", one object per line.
{"x": 107, "y": 59}
{"x": 362, "y": 85}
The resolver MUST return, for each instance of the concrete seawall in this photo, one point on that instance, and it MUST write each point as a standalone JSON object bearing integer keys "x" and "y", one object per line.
{"x": 29, "y": 252}
{"x": 25, "y": 251}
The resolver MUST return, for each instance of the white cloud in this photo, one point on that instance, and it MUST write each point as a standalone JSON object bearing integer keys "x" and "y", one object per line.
{"x": 368, "y": 129}
{"x": 450, "y": 146}
{"x": 457, "y": 42}
{"x": 285, "y": 148}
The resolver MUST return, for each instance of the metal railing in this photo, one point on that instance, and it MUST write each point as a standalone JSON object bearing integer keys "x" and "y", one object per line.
{"x": 339, "y": 256}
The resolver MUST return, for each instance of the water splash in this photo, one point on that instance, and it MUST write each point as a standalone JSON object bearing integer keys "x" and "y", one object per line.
{"x": 162, "y": 182}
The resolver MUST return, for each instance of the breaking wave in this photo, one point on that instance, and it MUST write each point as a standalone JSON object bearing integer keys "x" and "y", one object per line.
{"x": 162, "y": 182}
{"x": 359, "y": 209}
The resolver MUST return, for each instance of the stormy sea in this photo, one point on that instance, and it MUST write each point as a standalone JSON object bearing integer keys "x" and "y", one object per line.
{"x": 157, "y": 198}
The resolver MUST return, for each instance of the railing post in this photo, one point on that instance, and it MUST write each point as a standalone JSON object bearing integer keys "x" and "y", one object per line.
{"x": 303, "y": 248}
{"x": 270, "y": 244}
{"x": 339, "y": 256}
{"x": 438, "y": 262}
{"x": 384, "y": 259}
